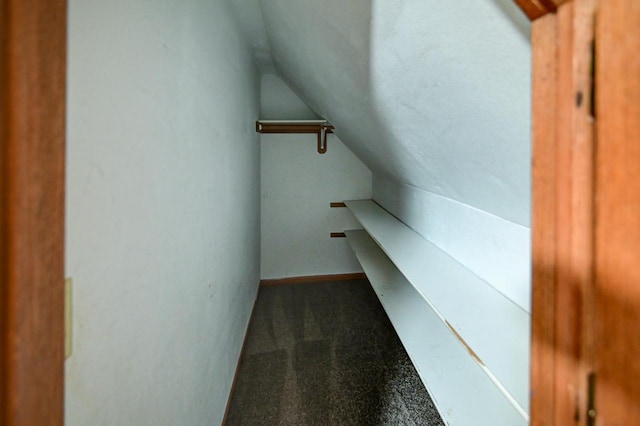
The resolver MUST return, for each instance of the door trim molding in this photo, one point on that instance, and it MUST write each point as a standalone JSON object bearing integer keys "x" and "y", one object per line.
{"x": 33, "y": 40}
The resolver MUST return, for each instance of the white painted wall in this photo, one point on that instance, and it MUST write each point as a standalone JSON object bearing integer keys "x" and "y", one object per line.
{"x": 162, "y": 209}
{"x": 279, "y": 102}
{"x": 298, "y": 184}
{"x": 435, "y": 95}
{"x": 249, "y": 18}
{"x": 435, "y": 99}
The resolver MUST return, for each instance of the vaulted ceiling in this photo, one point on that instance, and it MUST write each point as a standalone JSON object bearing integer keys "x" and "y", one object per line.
{"x": 433, "y": 94}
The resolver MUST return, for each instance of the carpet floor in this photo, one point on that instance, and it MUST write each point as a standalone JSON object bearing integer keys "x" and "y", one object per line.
{"x": 326, "y": 354}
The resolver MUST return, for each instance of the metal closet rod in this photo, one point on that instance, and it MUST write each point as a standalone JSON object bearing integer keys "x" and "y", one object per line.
{"x": 293, "y": 121}
{"x": 319, "y": 127}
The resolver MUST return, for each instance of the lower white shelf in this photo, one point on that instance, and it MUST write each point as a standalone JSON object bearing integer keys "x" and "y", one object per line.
{"x": 462, "y": 392}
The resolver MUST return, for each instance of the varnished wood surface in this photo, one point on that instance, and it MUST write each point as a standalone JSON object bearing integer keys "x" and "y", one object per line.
{"x": 544, "y": 63}
{"x": 574, "y": 219}
{"x": 535, "y": 9}
{"x": 32, "y": 118}
{"x": 617, "y": 269}
{"x": 563, "y": 197}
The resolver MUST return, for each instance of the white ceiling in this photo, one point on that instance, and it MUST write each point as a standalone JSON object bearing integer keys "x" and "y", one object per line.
{"x": 434, "y": 94}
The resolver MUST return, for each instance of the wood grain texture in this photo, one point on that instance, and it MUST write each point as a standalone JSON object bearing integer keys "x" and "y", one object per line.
{"x": 314, "y": 279}
{"x": 617, "y": 272}
{"x": 4, "y": 218}
{"x": 32, "y": 119}
{"x": 563, "y": 197}
{"x": 544, "y": 73}
{"x": 574, "y": 218}
{"x": 534, "y": 9}
{"x": 558, "y": 3}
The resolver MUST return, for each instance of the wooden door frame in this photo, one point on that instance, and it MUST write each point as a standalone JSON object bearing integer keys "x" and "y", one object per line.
{"x": 586, "y": 212}
{"x": 33, "y": 40}
{"x": 617, "y": 210}
{"x": 562, "y": 220}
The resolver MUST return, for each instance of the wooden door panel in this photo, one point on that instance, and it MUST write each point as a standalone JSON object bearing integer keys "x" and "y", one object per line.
{"x": 617, "y": 268}
{"x": 544, "y": 49}
{"x": 563, "y": 147}
{"x": 32, "y": 121}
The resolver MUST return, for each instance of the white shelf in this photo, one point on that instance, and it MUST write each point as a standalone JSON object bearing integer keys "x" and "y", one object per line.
{"x": 492, "y": 326}
{"x": 462, "y": 392}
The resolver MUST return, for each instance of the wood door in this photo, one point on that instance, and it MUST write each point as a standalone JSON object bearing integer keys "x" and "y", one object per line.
{"x": 617, "y": 214}
{"x": 586, "y": 214}
{"x": 563, "y": 191}
{"x": 32, "y": 118}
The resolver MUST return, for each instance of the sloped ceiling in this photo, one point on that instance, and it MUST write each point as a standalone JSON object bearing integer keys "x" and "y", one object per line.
{"x": 435, "y": 94}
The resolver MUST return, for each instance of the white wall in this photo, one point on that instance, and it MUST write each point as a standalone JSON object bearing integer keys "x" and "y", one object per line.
{"x": 279, "y": 102}
{"x": 435, "y": 99}
{"x": 162, "y": 209}
{"x": 435, "y": 94}
{"x": 298, "y": 184}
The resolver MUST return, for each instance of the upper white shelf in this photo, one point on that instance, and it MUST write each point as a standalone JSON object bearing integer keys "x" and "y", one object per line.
{"x": 495, "y": 330}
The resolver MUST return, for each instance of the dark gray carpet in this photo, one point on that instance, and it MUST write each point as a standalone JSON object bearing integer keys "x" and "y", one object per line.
{"x": 326, "y": 353}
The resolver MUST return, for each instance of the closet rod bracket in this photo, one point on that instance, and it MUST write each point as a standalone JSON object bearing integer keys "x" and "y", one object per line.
{"x": 321, "y": 128}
